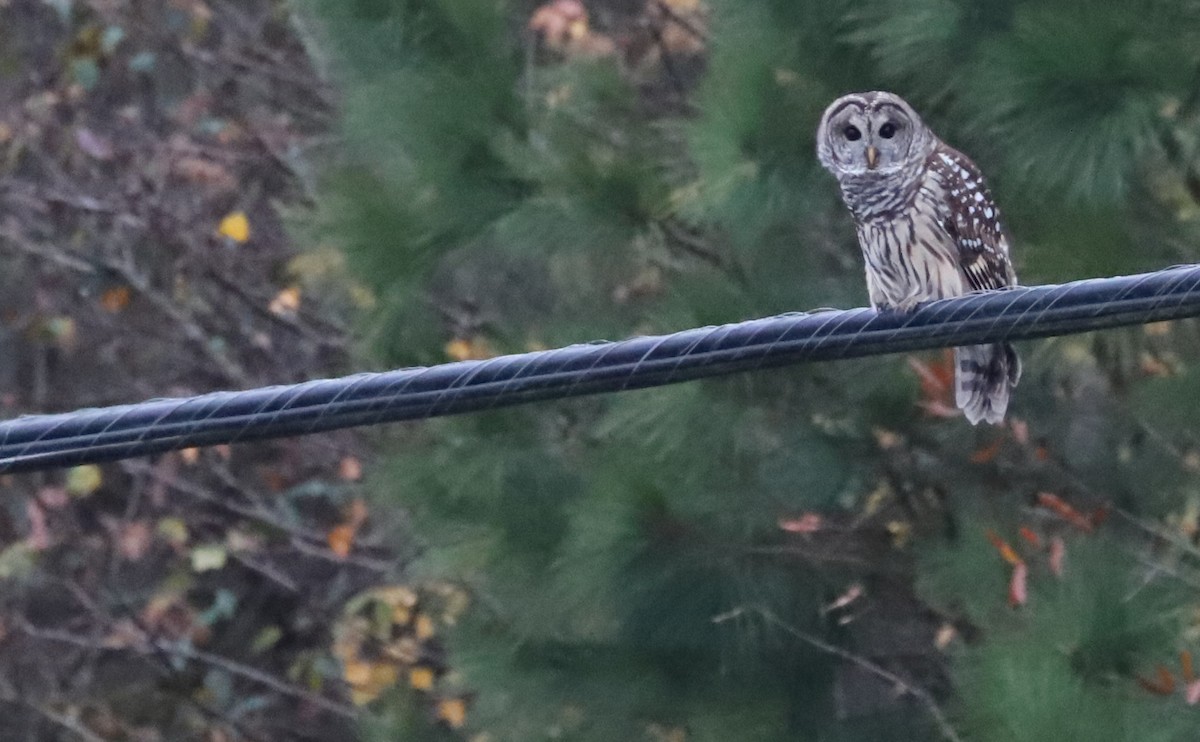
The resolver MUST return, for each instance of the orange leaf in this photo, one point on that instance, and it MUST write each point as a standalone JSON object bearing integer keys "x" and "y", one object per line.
{"x": 1018, "y": 589}
{"x": 1153, "y": 686}
{"x": 286, "y": 303}
{"x": 39, "y": 533}
{"x": 453, "y": 711}
{"x": 205, "y": 172}
{"x": 560, "y": 21}
{"x": 425, "y": 628}
{"x": 1192, "y": 693}
{"x": 134, "y": 539}
{"x": 945, "y": 634}
{"x": 937, "y": 378}
{"x": 421, "y": 678}
{"x": 1065, "y": 510}
{"x": 853, "y": 593}
{"x": 469, "y": 349}
{"x": 807, "y": 523}
{"x": 358, "y": 513}
{"x": 937, "y": 384}
{"x": 987, "y": 453}
{"x": 939, "y": 409}
{"x": 1031, "y": 536}
{"x": 115, "y": 299}
{"x": 356, "y": 672}
{"x": 350, "y": 469}
{"x": 1185, "y": 662}
{"x": 1008, "y": 553}
{"x": 1165, "y": 679}
{"x": 1058, "y": 553}
{"x": 341, "y": 539}
{"x": 55, "y": 498}
{"x": 1020, "y": 431}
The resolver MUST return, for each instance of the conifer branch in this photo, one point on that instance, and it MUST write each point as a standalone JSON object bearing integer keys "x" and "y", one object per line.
{"x": 901, "y": 685}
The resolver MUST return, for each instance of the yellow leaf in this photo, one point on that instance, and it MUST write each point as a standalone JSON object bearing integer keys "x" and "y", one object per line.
{"x": 405, "y": 650}
{"x": 268, "y": 637}
{"x": 901, "y": 532}
{"x": 84, "y": 480}
{"x": 368, "y": 680}
{"x": 362, "y": 297}
{"x": 201, "y": 16}
{"x": 453, "y": 711}
{"x": 16, "y": 560}
{"x": 425, "y": 627}
{"x": 173, "y": 530}
{"x": 878, "y": 498}
{"x": 61, "y": 331}
{"x": 396, "y": 595}
{"x": 321, "y": 262}
{"x": 209, "y": 557}
{"x": 458, "y": 349}
{"x": 469, "y": 349}
{"x": 946, "y": 633}
{"x": 401, "y": 615}
{"x": 420, "y": 678}
{"x": 357, "y": 672}
{"x": 235, "y": 226}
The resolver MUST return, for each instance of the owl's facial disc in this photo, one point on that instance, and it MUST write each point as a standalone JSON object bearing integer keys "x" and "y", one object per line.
{"x": 872, "y": 133}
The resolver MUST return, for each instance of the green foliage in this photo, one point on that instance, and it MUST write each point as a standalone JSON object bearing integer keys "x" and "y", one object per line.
{"x": 623, "y": 551}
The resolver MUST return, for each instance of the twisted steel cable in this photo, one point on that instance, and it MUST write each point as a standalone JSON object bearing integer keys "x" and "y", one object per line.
{"x": 95, "y": 435}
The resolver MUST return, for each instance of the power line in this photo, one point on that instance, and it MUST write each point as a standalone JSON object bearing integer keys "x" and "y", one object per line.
{"x": 106, "y": 434}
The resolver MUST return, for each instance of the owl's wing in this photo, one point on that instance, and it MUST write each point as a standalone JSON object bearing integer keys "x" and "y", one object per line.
{"x": 972, "y": 220}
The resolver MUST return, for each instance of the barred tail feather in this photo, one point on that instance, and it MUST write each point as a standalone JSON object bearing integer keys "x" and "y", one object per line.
{"x": 984, "y": 378}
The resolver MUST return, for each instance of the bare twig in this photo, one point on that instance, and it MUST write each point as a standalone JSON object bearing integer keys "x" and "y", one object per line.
{"x": 67, "y": 723}
{"x": 680, "y": 21}
{"x": 150, "y": 645}
{"x": 693, "y": 244}
{"x": 191, "y": 330}
{"x": 257, "y": 514}
{"x": 902, "y": 686}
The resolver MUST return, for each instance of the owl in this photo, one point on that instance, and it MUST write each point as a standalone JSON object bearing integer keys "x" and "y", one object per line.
{"x": 927, "y": 226}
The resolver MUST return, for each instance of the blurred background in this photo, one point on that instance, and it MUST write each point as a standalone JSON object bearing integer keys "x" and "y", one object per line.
{"x": 204, "y": 194}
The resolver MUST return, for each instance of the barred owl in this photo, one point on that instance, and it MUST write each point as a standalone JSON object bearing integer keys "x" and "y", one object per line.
{"x": 927, "y": 226}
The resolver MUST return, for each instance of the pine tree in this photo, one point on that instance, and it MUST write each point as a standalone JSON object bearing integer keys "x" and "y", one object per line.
{"x": 676, "y": 563}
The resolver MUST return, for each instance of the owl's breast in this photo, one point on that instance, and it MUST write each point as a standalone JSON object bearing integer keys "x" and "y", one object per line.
{"x": 910, "y": 257}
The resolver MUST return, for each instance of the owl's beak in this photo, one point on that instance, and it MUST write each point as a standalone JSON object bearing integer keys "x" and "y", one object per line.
{"x": 872, "y": 157}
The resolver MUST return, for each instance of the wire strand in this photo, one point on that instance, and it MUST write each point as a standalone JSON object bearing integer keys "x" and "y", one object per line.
{"x": 106, "y": 434}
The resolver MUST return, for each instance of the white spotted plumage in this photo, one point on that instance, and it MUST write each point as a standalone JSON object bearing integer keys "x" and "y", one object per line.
{"x": 927, "y": 226}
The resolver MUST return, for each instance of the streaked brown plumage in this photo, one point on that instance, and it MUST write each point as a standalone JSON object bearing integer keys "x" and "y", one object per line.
{"x": 927, "y": 226}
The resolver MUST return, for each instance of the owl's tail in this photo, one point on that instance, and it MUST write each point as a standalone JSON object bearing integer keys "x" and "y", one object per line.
{"x": 984, "y": 377}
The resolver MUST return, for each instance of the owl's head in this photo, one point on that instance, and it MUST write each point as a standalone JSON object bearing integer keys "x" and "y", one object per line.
{"x": 874, "y": 133}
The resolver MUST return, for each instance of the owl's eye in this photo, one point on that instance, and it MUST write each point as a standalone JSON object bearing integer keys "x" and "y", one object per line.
{"x": 888, "y": 130}
{"x": 852, "y": 133}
